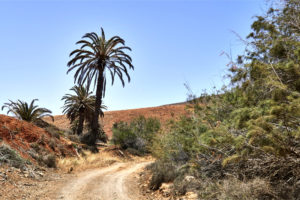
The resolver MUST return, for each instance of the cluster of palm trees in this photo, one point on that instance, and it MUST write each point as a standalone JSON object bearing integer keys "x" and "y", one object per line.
{"x": 79, "y": 107}
{"x": 95, "y": 57}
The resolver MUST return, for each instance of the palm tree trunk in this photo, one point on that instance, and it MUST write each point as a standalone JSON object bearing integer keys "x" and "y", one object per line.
{"x": 95, "y": 121}
{"x": 80, "y": 122}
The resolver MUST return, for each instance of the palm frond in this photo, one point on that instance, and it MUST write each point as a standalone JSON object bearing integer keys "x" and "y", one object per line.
{"x": 81, "y": 101}
{"x": 97, "y": 54}
{"x": 24, "y": 111}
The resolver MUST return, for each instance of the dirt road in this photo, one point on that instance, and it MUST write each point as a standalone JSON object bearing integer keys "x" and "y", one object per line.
{"x": 111, "y": 183}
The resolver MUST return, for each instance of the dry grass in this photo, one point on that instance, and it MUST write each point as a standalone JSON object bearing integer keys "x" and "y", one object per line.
{"x": 87, "y": 160}
{"x": 106, "y": 157}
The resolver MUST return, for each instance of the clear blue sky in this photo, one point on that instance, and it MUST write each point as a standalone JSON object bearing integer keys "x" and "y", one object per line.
{"x": 173, "y": 42}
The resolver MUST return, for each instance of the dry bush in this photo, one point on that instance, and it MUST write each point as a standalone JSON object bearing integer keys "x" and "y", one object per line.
{"x": 35, "y": 146}
{"x": 52, "y": 143}
{"x": 53, "y": 131}
{"x": 11, "y": 157}
{"x": 187, "y": 184}
{"x": 61, "y": 149}
{"x": 42, "y": 156}
{"x": 254, "y": 189}
{"x": 73, "y": 138}
{"x": 282, "y": 173}
{"x": 46, "y": 159}
{"x": 161, "y": 173}
{"x": 49, "y": 160}
{"x": 42, "y": 140}
{"x": 234, "y": 189}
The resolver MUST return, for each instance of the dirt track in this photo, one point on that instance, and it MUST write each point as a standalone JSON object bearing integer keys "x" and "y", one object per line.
{"x": 111, "y": 183}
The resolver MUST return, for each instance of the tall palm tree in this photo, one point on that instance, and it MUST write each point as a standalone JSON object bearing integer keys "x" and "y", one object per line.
{"x": 79, "y": 106}
{"x": 92, "y": 60}
{"x": 23, "y": 111}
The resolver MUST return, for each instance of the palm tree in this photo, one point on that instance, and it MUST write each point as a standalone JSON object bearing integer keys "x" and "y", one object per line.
{"x": 26, "y": 112}
{"x": 79, "y": 106}
{"x": 92, "y": 60}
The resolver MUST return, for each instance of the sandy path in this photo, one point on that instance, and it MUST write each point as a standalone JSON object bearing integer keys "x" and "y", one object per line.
{"x": 110, "y": 183}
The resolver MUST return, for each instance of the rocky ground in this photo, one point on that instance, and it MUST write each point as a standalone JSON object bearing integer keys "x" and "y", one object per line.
{"x": 163, "y": 193}
{"x": 28, "y": 184}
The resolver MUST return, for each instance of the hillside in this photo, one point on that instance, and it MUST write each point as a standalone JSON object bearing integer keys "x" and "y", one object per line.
{"x": 31, "y": 142}
{"x": 164, "y": 113}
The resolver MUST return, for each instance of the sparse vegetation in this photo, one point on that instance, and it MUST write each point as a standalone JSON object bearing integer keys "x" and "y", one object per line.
{"x": 11, "y": 157}
{"x": 52, "y": 143}
{"x": 43, "y": 156}
{"x": 49, "y": 160}
{"x": 53, "y": 131}
{"x": 35, "y": 146}
{"x": 73, "y": 138}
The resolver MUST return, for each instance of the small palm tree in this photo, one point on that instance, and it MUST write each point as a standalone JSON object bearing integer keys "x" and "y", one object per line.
{"x": 79, "y": 106}
{"x": 92, "y": 60}
{"x": 23, "y": 111}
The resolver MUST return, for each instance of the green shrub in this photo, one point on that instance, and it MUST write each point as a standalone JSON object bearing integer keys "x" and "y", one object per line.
{"x": 136, "y": 136}
{"x": 11, "y": 157}
{"x": 123, "y": 135}
{"x": 250, "y": 128}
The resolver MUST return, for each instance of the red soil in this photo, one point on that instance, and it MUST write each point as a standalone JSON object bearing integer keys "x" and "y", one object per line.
{"x": 163, "y": 113}
{"x": 20, "y": 134}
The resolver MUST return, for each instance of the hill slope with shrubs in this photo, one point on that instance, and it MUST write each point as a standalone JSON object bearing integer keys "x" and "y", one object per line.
{"x": 23, "y": 143}
{"x": 163, "y": 113}
{"x": 242, "y": 142}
